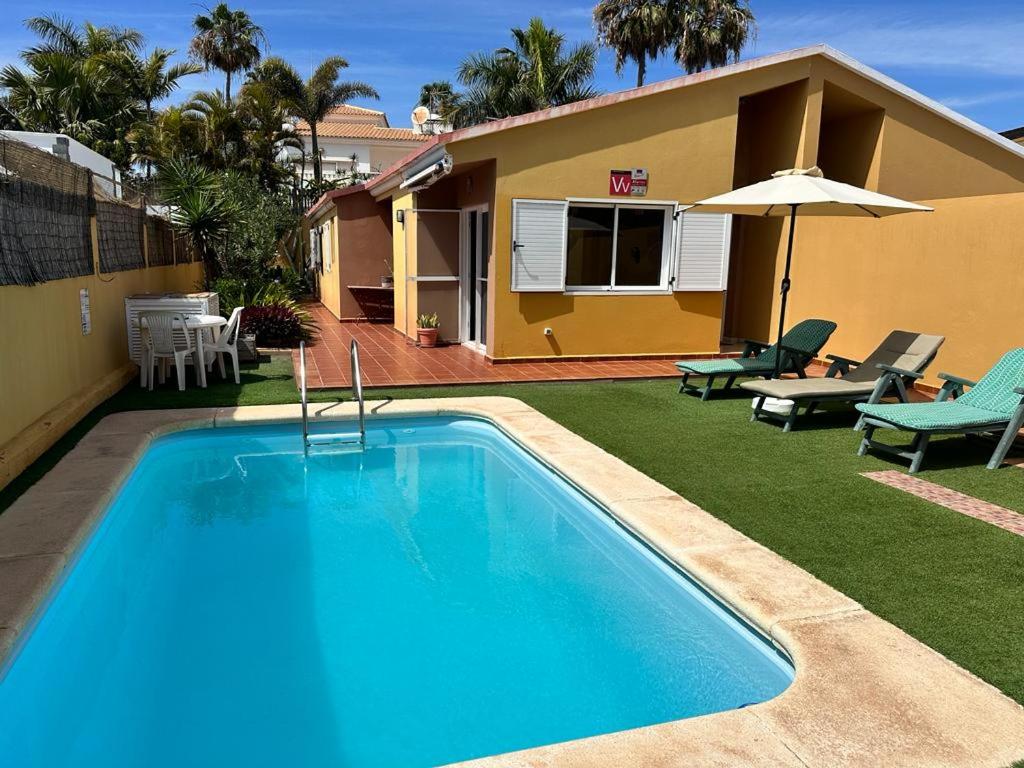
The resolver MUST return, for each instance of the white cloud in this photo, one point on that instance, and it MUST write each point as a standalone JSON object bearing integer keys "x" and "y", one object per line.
{"x": 980, "y": 99}
{"x": 893, "y": 37}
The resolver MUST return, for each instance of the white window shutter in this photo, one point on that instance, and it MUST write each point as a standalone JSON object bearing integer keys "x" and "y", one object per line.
{"x": 314, "y": 248}
{"x": 538, "y": 245}
{"x": 702, "y": 251}
{"x": 328, "y": 246}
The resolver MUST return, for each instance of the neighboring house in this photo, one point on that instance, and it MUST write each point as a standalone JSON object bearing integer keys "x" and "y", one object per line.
{"x": 1015, "y": 134}
{"x": 105, "y": 174}
{"x": 564, "y": 233}
{"x": 356, "y": 140}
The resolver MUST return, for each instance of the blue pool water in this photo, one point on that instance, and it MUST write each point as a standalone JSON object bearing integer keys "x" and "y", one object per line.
{"x": 440, "y": 597}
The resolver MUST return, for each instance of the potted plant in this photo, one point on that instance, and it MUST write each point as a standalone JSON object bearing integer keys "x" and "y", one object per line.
{"x": 426, "y": 330}
{"x": 388, "y": 280}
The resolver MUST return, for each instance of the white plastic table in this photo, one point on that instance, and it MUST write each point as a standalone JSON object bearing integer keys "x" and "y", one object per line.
{"x": 197, "y": 324}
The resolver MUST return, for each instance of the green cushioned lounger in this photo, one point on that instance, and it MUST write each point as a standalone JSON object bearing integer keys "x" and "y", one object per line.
{"x": 962, "y": 407}
{"x": 800, "y": 344}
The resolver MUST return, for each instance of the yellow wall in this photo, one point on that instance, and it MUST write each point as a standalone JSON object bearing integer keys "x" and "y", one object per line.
{"x": 330, "y": 282}
{"x": 50, "y": 374}
{"x": 405, "y": 300}
{"x": 955, "y": 272}
{"x": 686, "y": 139}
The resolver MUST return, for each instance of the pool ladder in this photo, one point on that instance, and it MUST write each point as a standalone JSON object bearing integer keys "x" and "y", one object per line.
{"x": 334, "y": 438}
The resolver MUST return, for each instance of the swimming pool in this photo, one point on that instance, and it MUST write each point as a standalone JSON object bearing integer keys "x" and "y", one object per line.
{"x": 438, "y": 597}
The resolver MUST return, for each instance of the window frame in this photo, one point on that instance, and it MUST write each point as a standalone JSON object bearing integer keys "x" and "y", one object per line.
{"x": 667, "y": 247}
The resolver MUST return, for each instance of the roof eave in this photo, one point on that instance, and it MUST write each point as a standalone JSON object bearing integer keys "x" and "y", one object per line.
{"x": 330, "y": 196}
{"x": 825, "y": 51}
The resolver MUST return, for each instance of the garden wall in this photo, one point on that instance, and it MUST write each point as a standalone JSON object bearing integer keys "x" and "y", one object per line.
{"x": 54, "y": 368}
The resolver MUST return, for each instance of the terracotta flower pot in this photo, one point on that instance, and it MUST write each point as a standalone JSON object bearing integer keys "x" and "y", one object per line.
{"x": 427, "y": 337}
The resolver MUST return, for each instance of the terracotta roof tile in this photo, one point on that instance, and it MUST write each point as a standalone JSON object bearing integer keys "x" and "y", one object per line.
{"x": 350, "y": 109}
{"x": 359, "y": 131}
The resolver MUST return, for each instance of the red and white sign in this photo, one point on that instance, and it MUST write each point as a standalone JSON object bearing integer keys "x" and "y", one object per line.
{"x": 631, "y": 183}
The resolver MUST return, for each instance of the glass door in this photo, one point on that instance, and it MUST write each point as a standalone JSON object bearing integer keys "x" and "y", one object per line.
{"x": 478, "y": 251}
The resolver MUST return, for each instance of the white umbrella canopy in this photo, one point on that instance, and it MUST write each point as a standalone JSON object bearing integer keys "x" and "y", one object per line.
{"x": 809, "y": 193}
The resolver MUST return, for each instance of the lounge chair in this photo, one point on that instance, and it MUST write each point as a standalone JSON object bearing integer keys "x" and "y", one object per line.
{"x": 801, "y": 342}
{"x": 900, "y": 359}
{"x": 994, "y": 404}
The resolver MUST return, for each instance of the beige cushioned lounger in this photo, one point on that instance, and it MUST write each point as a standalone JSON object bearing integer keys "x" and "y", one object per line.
{"x": 901, "y": 350}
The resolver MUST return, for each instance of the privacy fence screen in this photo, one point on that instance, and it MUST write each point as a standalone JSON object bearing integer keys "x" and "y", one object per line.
{"x": 44, "y": 216}
{"x": 120, "y": 232}
{"x": 160, "y": 239}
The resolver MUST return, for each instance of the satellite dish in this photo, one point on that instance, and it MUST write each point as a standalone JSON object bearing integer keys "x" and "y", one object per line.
{"x": 420, "y": 116}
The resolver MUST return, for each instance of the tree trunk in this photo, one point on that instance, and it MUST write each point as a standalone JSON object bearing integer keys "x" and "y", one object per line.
{"x": 227, "y": 86}
{"x": 211, "y": 267}
{"x": 316, "y": 154}
{"x": 149, "y": 118}
{"x": 641, "y": 70}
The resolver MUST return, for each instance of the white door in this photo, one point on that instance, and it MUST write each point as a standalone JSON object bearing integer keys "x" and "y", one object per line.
{"x": 477, "y": 238}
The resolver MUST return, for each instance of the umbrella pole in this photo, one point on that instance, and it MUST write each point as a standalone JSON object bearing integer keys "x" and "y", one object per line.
{"x": 784, "y": 290}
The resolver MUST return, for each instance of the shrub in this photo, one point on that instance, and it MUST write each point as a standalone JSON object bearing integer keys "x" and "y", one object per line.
{"x": 235, "y": 292}
{"x": 249, "y": 249}
{"x": 274, "y": 324}
{"x": 275, "y": 318}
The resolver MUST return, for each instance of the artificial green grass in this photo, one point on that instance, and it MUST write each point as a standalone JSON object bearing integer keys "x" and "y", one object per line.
{"x": 953, "y": 582}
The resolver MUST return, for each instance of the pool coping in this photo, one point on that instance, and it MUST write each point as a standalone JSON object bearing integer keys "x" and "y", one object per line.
{"x": 865, "y": 693}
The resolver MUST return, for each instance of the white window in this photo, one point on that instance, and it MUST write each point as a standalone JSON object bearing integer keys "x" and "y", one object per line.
{"x": 607, "y": 246}
{"x": 328, "y": 245}
{"x": 314, "y": 249}
{"x": 613, "y": 247}
{"x": 702, "y": 251}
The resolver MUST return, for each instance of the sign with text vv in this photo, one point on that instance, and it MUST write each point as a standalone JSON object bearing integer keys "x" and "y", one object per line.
{"x": 631, "y": 183}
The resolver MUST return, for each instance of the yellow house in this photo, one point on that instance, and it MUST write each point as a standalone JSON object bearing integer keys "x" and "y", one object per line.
{"x": 565, "y": 232}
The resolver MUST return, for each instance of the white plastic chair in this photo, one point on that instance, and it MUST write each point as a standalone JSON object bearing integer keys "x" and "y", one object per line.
{"x": 227, "y": 343}
{"x": 165, "y": 337}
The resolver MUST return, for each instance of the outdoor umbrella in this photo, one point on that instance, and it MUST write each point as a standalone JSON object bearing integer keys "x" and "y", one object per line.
{"x": 810, "y": 193}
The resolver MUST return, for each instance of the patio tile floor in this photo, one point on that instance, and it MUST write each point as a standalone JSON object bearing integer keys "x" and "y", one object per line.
{"x": 390, "y": 360}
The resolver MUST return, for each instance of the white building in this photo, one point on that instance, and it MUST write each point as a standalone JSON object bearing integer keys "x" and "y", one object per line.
{"x": 106, "y": 176}
{"x": 355, "y": 139}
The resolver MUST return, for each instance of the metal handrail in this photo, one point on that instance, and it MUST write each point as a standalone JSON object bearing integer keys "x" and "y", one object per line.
{"x": 357, "y": 394}
{"x": 357, "y": 388}
{"x": 302, "y": 387}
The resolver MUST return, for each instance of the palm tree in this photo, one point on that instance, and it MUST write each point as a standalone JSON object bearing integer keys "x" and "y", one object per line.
{"x": 264, "y": 136}
{"x": 227, "y": 40}
{"x": 70, "y": 85}
{"x": 637, "y": 30}
{"x": 440, "y": 97}
{"x": 220, "y": 128}
{"x": 174, "y": 133}
{"x": 150, "y": 80}
{"x": 709, "y": 33}
{"x": 535, "y": 73}
{"x": 153, "y": 79}
{"x": 311, "y": 99}
{"x": 59, "y": 35}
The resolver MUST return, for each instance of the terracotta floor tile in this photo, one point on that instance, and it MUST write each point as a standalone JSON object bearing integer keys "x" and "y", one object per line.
{"x": 388, "y": 359}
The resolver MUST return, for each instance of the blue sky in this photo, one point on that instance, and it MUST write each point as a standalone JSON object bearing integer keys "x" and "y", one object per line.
{"x": 966, "y": 55}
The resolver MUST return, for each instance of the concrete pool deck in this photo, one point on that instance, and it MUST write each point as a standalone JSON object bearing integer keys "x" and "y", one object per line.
{"x": 865, "y": 692}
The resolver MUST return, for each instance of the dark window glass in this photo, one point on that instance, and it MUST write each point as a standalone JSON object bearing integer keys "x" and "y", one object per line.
{"x": 640, "y": 238}
{"x": 589, "y": 246}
